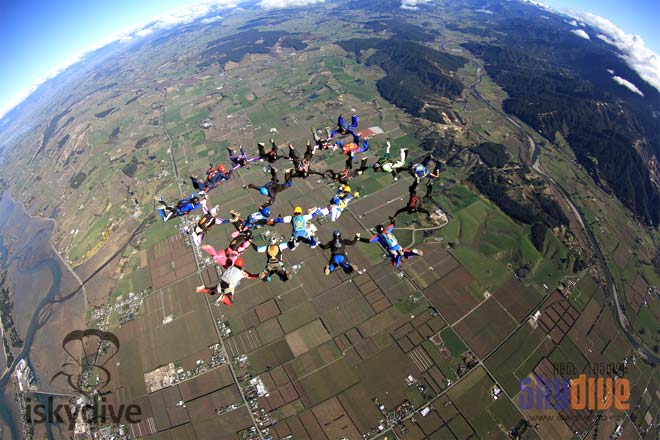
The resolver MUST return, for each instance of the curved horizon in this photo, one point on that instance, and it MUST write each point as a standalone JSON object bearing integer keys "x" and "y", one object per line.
{"x": 634, "y": 50}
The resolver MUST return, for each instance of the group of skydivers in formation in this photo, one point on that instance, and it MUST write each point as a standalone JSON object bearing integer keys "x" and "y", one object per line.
{"x": 230, "y": 258}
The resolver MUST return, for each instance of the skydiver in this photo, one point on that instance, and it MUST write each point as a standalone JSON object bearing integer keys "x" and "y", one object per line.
{"x": 213, "y": 178}
{"x": 343, "y": 128}
{"x": 183, "y": 207}
{"x": 420, "y": 170}
{"x": 273, "y": 187}
{"x": 347, "y": 173}
{"x": 253, "y": 221}
{"x": 357, "y": 146}
{"x": 302, "y": 167}
{"x": 205, "y": 224}
{"x": 338, "y": 203}
{"x": 229, "y": 280}
{"x": 242, "y": 160}
{"x": 271, "y": 155}
{"x": 343, "y": 176}
{"x": 300, "y": 227}
{"x": 274, "y": 260}
{"x": 414, "y": 204}
{"x": 386, "y": 165}
{"x": 239, "y": 243}
{"x": 338, "y": 257}
{"x": 386, "y": 239}
{"x": 322, "y": 143}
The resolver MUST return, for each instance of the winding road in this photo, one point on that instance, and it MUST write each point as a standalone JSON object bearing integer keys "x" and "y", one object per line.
{"x": 622, "y": 319}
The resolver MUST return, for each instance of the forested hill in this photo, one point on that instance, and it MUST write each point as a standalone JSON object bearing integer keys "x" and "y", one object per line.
{"x": 558, "y": 82}
{"x": 415, "y": 73}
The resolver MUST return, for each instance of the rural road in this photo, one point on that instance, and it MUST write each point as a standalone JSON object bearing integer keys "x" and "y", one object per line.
{"x": 622, "y": 319}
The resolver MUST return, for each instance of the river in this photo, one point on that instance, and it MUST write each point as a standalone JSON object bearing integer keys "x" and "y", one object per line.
{"x": 51, "y": 264}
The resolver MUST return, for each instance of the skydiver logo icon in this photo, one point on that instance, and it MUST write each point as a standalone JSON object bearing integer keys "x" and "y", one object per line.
{"x": 86, "y": 373}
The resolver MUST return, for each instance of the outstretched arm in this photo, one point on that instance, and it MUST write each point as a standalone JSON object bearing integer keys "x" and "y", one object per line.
{"x": 371, "y": 239}
{"x": 250, "y": 276}
{"x": 351, "y": 242}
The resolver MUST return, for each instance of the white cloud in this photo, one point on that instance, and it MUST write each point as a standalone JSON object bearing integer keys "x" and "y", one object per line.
{"x": 572, "y": 22}
{"x": 412, "y": 5}
{"x": 607, "y": 39}
{"x": 484, "y": 11}
{"x": 143, "y": 32}
{"x": 580, "y": 33}
{"x": 627, "y": 84}
{"x": 169, "y": 19}
{"x": 212, "y": 19}
{"x": 633, "y": 50}
{"x": 539, "y": 4}
{"x": 281, "y": 4}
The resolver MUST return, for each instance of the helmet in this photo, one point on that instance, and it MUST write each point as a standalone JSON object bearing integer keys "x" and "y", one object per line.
{"x": 346, "y": 189}
{"x": 297, "y": 210}
{"x": 239, "y": 262}
{"x": 222, "y": 168}
{"x": 265, "y": 211}
{"x": 194, "y": 200}
{"x": 380, "y": 229}
{"x": 336, "y": 234}
{"x": 273, "y": 240}
{"x": 214, "y": 211}
{"x": 247, "y": 234}
{"x": 263, "y": 190}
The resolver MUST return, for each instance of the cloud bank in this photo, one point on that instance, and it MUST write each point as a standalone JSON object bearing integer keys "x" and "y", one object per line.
{"x": 212, "y": 19}
{"x": 165, "y": 21}
{"x": 632, "y": 47}
{"x": 627, "y": 84}
{"x": 580, "y": 33}
{"x": 281, "y": 4}
{"x": 412, "y": 5}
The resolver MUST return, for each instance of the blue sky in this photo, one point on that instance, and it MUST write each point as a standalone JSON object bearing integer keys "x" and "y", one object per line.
{"x": 38, "y": 36}
{"x": 640, "y": 17}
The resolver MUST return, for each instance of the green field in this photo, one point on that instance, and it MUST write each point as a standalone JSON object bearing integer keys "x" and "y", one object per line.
{"x": 157, "y": 231}
{"x": 517, "y": 357}
{"x": 491, "y": 245}
{"x": 452, "y": 342}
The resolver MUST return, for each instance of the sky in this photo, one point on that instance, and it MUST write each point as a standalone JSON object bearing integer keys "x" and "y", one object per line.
{"x": 640, "y": 17}
{"x": 42, "y": 36}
